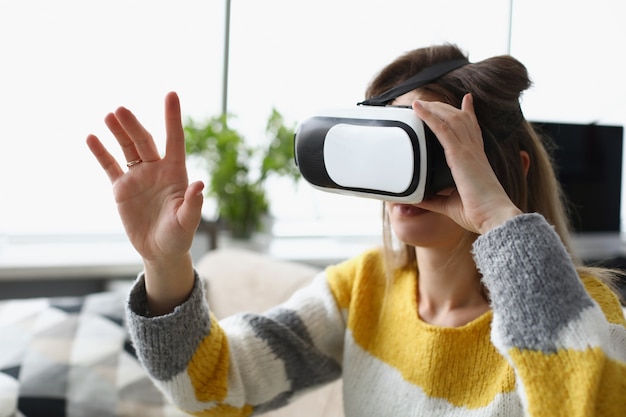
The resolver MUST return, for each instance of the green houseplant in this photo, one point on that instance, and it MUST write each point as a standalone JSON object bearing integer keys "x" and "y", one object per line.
{"x": 238, "y": 171}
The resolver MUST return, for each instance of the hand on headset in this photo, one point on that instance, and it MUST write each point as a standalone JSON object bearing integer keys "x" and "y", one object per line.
{"x": 479, "y": 203}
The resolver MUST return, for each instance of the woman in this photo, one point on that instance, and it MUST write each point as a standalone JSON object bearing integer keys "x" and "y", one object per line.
{"x": 481, "y": 312}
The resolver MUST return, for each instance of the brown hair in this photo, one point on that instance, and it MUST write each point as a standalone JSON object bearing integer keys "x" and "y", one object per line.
{"x": 496, "y": 85}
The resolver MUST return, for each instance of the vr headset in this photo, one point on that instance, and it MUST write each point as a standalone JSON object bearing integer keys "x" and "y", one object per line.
{"x": 386, "y": 153}
{"x": 375, "y": 150}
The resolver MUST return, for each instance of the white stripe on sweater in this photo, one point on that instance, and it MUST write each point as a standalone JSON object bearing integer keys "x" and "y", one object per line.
{"x": 373, "y": 388}
{"x": 591, "y": 330}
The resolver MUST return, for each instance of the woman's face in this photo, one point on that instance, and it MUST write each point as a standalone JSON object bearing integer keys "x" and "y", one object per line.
{"x": 416, "y": 226}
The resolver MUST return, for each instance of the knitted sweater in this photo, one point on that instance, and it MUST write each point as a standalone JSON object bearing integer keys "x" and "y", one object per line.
{"x": 553, "y": 344}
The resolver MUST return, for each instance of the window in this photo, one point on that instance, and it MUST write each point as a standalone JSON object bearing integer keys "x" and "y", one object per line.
{"x": 69, "y": 62}
{"x": 65, "y": 65}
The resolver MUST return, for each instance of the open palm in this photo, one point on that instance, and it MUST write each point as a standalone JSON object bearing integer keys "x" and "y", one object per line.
{"x": 159, "y": 209}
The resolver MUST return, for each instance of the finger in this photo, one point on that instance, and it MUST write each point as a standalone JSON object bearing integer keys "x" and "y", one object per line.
{"x": 467, "y": 106}
{"x": 436, "y": 203}
{"x": 175, "y": 136}
{"x": 191, "y": 210}
{"x": 468, "y": 103}
{"x": 141, "y": 138}
{"x": 448, "y": 122}
{"x": 436, "y": 117}
{"x": 106, "y": 160}
{"x": 126, "y": 143}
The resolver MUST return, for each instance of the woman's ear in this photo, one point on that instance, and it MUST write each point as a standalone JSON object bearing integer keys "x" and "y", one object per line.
{"x": 525, "y": 161}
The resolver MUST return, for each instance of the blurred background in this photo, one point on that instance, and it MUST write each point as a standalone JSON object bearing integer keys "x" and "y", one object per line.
{"x": 66, "y": 63}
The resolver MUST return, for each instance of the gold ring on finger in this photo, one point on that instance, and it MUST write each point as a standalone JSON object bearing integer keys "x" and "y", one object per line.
{"x": 134, "y": 162}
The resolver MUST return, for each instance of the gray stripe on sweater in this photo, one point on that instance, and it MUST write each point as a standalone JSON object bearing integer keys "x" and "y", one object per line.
{"x": 288, "y": 338}
{"x": 534, "y": 287}
{"x": 279, "y": 401}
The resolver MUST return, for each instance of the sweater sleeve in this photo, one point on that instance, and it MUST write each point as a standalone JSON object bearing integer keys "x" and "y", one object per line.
{"x": 245, "y": 364}
{"x": 569, "y": 356}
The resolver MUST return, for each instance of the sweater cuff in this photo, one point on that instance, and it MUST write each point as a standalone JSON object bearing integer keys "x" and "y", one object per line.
{"x": 534, "y": 287}
{"x": 166, "y": 343}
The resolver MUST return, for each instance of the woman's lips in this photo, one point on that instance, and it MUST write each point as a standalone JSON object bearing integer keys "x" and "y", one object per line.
{"x": 409, "y": 210}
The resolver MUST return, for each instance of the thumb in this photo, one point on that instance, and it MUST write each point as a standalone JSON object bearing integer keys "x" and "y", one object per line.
{"x": 442, "y": 201}
{"x": 436, "y": 204}
{"x": 191, "y": 209}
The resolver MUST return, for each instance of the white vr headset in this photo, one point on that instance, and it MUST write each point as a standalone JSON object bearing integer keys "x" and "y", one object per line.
{"x": 386, "y": 153}
{"x": 375, "y": 150}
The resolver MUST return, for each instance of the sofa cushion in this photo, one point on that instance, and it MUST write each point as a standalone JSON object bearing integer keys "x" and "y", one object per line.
{"x": 243, "y": 280}
{"x": 72, "y": 357}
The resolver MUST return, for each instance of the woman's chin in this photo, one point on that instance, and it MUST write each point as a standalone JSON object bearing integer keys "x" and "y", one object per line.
{"x": 416, "y": 226}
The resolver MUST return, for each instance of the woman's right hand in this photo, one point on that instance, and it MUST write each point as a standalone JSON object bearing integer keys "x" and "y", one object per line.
{"x": 479, "y": 202}
{"x": 160, "y": 210}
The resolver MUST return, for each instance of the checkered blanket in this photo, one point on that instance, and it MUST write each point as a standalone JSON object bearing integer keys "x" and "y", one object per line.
{"x": 72, "y": 357}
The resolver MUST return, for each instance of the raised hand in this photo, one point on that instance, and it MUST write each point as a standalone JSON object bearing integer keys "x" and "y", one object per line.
{"x": 160, "y": 210}
{"x": 479, "y": 202}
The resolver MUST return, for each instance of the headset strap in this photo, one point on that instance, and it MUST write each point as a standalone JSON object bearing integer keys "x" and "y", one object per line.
{"x": 427, "y": 75}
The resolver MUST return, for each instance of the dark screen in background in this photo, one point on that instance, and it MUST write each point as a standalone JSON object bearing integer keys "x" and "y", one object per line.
{"x": 589, "y": 167}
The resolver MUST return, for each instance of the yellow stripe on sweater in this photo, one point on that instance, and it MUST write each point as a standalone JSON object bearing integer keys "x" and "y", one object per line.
{"x": 460, "y": 365}
{"x": 606, "y": 299}
{"x": 581, "y": 383}
{"x": 226, "y": 411}
{"x": 208, "y": 369}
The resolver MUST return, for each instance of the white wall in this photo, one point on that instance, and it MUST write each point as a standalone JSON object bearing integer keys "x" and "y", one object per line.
{"x": 66, "y": 63}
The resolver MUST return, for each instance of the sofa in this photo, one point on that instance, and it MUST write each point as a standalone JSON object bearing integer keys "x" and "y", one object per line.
{"x": 71, "y": 356}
